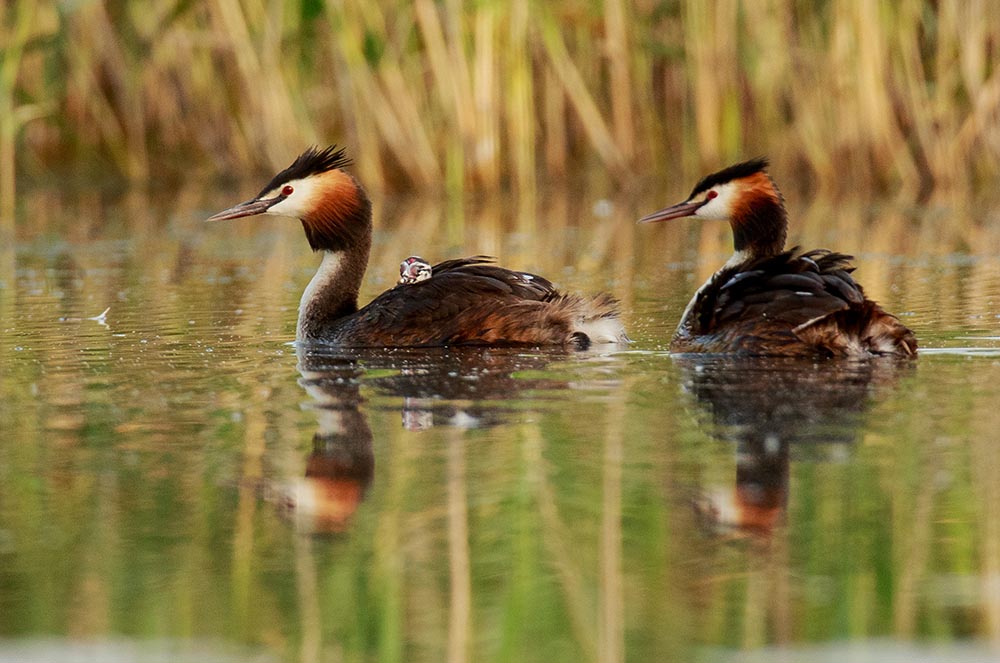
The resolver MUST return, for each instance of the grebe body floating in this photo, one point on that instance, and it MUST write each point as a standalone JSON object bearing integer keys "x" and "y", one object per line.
{"x": 460, "y": 302}
{"x": 769, "y": 301}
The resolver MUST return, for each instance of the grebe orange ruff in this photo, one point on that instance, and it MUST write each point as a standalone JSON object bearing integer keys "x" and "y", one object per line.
{"x": 768, "y": 301}
{"x": 464, "y": 302}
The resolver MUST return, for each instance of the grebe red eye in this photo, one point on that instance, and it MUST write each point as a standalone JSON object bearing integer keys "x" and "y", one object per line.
{"x": 287, "y": 190}
{"x": 708, "y": 196}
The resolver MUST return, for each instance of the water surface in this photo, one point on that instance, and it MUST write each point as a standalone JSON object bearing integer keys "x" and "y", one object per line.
{"x": 180, "y": 482}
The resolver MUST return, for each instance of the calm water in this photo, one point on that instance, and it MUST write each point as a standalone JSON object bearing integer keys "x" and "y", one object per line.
{"x": 178, "y": 482}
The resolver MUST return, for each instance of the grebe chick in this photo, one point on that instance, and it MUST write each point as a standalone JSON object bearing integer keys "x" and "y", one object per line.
{"x": 414, "y": 270}
{"x": 769, "y": 301}
{"x": 463, "y": 302}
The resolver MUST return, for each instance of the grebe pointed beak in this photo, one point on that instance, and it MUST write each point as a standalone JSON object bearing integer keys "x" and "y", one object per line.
{"x": 249, "y": 208}
{"x": 677, "y": 211}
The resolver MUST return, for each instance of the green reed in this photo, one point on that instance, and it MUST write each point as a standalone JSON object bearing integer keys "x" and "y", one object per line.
{"x": 496, "y": 95}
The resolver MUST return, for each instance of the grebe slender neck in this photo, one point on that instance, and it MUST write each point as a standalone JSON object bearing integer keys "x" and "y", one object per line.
{"x": 332, "y": 292}
{"x": 343, "y": 234}
{"x": 759, "y": 222}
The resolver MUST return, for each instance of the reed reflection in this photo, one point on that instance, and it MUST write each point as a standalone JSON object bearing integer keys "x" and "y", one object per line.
{"x": 766, "y": 406}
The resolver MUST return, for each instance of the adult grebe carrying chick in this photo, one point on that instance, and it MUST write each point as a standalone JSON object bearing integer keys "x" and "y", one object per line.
{"x": 462, "y": 302}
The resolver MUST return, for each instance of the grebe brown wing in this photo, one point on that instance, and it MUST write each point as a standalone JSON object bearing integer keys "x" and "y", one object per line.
{"x": 785, "y": 289}
{"x": 791, "y": 304}
{"x": 471, "y": 303}
{"x": 458, "y": 263}
{"x": 524, "y": 284}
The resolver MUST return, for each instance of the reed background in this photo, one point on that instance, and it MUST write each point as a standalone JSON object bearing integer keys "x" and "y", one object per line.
{"x": 496, "y": 96}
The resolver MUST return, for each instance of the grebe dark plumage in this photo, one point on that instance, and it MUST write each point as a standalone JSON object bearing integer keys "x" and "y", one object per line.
{"x": 769, "y": 301}
{"x": 462, "y": 302}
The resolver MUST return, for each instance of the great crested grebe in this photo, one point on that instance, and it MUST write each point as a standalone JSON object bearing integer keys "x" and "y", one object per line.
{"x": 768, "y": 301}
{"x": 414, "y": 270}
{"x": 463, "y": 302}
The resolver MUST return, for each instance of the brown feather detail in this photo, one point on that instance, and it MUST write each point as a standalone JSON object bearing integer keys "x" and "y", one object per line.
{"x": 758, "y": 217}
{"x": 529, "y": 323}
{"x": 790, "y": 305}
{"x": 488, "y": 317}
{"x": 342, "y": 214}
{"x": 559, "y": 320}
{"x": 757, "y": 190}
{"x": 861, "y": 329}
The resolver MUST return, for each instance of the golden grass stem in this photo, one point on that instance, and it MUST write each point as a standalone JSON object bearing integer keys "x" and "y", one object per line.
{"x": 576, "y": 90}
{"x": 451, "y": 95}
{"x": 12, "y": 54}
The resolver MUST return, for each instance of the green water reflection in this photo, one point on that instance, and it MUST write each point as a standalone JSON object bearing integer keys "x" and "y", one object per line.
{"x": 179, "y": 480}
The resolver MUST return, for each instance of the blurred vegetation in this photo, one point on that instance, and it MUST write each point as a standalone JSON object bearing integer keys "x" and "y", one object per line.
{"x": 493, "y": 95}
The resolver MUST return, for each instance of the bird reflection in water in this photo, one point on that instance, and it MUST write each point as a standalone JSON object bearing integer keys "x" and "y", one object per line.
{"x": 768, "y": 405}
{"x": 340, "y": 468}
{"x": 461, "y": 387}
{"x": 466, "y": 388}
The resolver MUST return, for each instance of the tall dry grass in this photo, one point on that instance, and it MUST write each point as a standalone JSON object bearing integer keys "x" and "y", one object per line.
{"x": 488, "y": 95}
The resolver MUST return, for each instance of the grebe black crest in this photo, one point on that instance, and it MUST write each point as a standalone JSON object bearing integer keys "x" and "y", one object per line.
{"x": 414, "y": 270}
{"x": 769, "y": 301}
{"x": 469, "y": 301}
